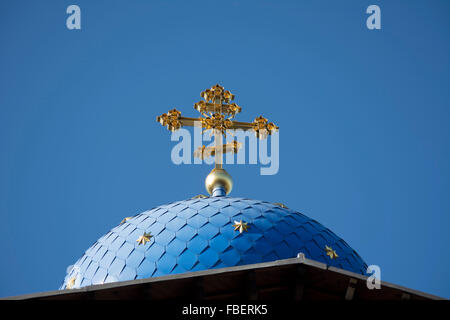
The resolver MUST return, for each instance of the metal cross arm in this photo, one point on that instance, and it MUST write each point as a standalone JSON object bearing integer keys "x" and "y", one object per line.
{"x": 174, "y": 121}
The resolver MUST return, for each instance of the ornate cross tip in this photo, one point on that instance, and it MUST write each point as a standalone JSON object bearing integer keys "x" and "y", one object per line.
{"x": 217, "y": 92}
{"x": 331, "y": 253}
{"x": 263, "y": 128}
{"x": 240, "y": 226}
{"x": 281, "y": 205}
{"x": 199, "y": 196}
{"x": 144, "y": 238}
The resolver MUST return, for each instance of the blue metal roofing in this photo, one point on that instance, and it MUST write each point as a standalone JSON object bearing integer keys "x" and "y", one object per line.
{"x": 198, "y": 234}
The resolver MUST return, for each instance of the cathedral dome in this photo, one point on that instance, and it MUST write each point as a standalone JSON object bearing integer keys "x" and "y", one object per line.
{"x": 206, "y": 233}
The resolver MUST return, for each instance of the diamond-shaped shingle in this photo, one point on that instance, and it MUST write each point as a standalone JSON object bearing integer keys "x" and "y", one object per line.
{"x": 187, "y": 259}
{"x": 197, "y": 244}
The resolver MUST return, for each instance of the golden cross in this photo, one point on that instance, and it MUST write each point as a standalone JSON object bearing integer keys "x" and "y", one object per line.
{"x": 217, "y": 116}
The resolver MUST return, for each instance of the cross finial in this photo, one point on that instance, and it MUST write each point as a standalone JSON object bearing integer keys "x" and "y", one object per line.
{"x": 217, "y": 114}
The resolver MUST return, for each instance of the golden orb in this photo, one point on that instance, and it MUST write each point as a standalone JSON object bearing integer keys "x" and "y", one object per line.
{"x": 218, "y": 178}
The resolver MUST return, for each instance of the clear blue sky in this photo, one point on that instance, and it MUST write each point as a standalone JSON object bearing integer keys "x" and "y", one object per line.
{"x": 363, "y": 116}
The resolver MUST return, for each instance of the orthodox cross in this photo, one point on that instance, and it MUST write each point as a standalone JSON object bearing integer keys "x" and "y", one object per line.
{"x": 217, "y": 116}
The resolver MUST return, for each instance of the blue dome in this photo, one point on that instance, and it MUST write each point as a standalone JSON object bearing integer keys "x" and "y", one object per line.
{"x": 198, "y": 234}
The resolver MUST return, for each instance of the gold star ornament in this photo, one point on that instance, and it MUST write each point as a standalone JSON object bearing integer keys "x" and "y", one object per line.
{"x": 144, "y": 238}
{"x": 125, "y": 220}
{"x": 199, "y": 196}
{"x": 241, "y": 226}
{"x": 281, "y": 205}
{"x": 71, "y": 283}
{"x": 331, "y": 253}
